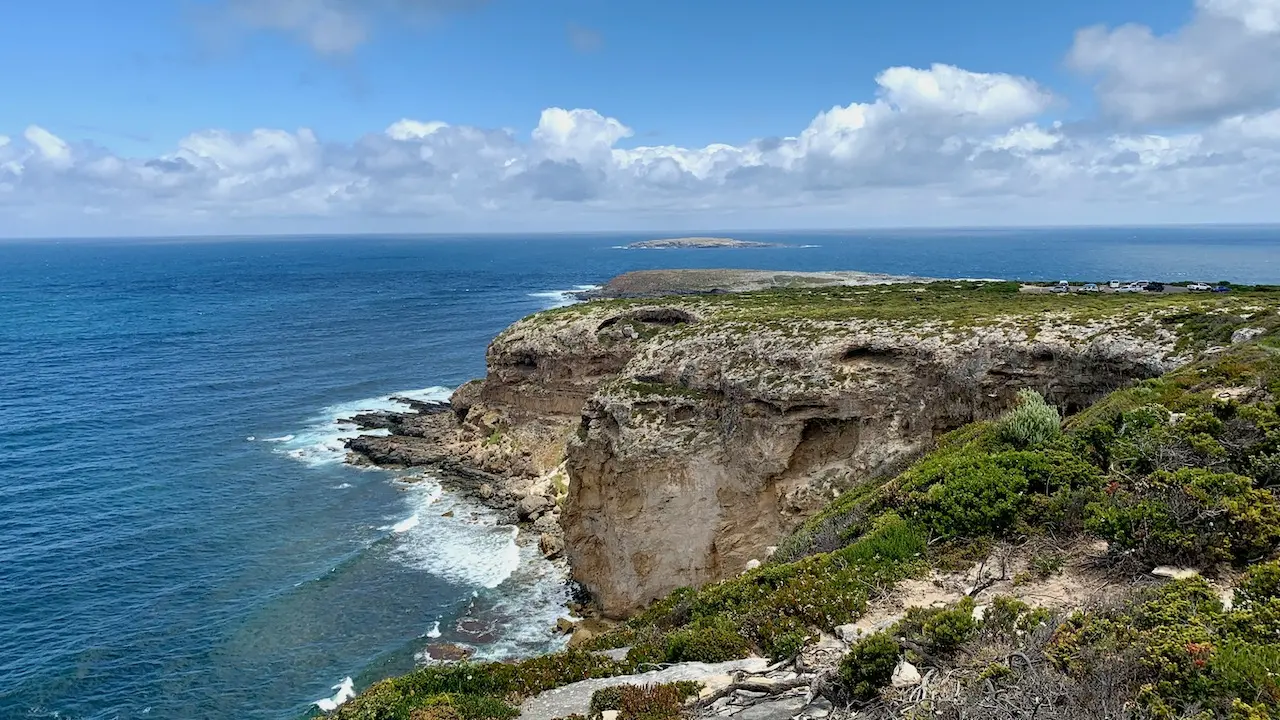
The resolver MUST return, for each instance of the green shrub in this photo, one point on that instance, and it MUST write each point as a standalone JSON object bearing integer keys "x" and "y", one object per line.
{"x": 977, "y": 496}
{"x": 1259, "y": 584}
{"x": 1265, "y": 469}
{"x": 1046, "y": 565}
{"x": 1009, "y": 617}
{"x": 868, "y": 666}
{"x": 946, "y": 630}
{"x": 1032, "y": 423}
{"x": 1256, "y": 612}
{"x": 644, "y": 702}
{"x": 1249, "y": 670}
{"x": 606, "y": 698}
{"x": 471, "y": 689}
{"x": 711, "y": 641}
{"x": 1190, "y": 516}
{"x": 1200, "y": 421}
{"x": 1189, "y": 653}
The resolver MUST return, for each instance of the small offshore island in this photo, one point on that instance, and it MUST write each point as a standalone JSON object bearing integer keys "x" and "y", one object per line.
{"x": 838, "y": 495}
{"x": 700, "y": 242}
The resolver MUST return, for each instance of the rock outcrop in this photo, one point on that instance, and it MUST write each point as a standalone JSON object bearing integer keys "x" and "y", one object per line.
{"x": 712, "y": 447}
{"x": 676, "y": 440}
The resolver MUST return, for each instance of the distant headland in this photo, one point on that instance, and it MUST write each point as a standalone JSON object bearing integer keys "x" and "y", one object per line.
{"x": 700, "y": 242}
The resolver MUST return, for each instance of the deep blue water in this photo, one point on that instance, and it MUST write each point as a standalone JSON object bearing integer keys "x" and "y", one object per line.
{"x": 156, "y": 562}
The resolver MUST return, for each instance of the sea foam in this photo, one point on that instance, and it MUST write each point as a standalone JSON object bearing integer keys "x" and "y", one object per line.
{"x": 321, "y": 441}
{"x": 346, "y": 690}
{"x": 563, "y": 298}
{"x": 455, "y": 539}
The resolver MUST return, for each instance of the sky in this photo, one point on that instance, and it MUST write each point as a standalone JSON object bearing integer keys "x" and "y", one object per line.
{"x": 176, "y": 117}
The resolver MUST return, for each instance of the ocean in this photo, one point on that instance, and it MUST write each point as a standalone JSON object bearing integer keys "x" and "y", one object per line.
{"x": 179, "y": 537}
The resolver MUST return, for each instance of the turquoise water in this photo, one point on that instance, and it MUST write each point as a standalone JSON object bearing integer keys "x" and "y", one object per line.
{"x": 178, "y": 536}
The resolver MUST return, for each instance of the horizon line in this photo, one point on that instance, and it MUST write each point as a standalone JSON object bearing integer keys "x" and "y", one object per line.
{"x": 656, "y": 233}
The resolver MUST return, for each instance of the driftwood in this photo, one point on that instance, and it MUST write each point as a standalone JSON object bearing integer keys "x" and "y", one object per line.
{"x": 753, "y": 684}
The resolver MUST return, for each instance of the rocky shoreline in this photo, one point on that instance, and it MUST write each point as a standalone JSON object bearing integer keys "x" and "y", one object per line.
{"x": 430, "y": 437}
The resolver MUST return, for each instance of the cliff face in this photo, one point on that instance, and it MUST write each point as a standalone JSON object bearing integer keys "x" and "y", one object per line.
{"x": 704, "y": 429}
{"x": 696, "y": 432}
{"x": 705, "y": 453}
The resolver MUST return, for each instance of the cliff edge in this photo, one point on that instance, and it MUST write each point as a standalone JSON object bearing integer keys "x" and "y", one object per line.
{"x": 698, "y": 431}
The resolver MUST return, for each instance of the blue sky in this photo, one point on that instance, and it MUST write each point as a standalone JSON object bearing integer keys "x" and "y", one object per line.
{"x": 135, "y": 81}
{"x": 681, "y": 72}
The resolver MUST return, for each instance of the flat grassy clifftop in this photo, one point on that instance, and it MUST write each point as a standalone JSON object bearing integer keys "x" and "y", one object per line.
{"x": 1181, "y": 470}
{"x": 943, "y": 306}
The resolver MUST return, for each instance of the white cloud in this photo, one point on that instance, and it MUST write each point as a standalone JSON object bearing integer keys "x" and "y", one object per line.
{"x": 406, "y": 129}
{"x": 577, "y": 135}
{"x": 1225, "y": 61}
{"x": 1258, "y": 16}
{"x": 937, "y": 145}
{"x": 993, "y": 98}
{"x": 48, "y": 147}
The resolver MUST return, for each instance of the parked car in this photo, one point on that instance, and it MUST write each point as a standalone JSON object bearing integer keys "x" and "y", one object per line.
{"x": 1154, "y": 287}
{"x": 1222, "y": 288}
{"x": 1199, "y": 287}
{"x": 1115, "y": 284}
{"x": 1060, "y": 288}
{"x": 1090, "y": 287}
{"x": 1141, "y": 284}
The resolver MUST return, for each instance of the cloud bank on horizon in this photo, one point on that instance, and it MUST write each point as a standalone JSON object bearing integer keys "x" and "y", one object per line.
{"x": 1187, "y": 129}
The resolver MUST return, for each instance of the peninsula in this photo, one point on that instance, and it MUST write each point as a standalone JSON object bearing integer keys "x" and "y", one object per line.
{"x": 700, "y": 242}
{"x": 663, "y": 283}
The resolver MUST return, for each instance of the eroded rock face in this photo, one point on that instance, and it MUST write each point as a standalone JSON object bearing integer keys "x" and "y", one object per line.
{"x": 695, "y": 433}
{"x": 711, "y": 448}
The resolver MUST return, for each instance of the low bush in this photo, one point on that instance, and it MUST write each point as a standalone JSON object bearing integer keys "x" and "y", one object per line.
{"x": 977, "y": 496}
{"x": 946, "y": 630}
{"x": 776, "y": 607}
{"x": 1190, "y": 651}
{"x": 868, "y": 666}
{"x": 1191, "y": 516}
{"x": 971, "y": 493}
{"x": 1010, "y": 617}
{"x": 711, "y": 640}
{"x": 1032, "y": 423}
{"x": 476, "y": 691}
{"x": 644, "y": 702}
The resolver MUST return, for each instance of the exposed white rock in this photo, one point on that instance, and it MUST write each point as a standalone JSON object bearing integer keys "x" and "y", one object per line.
{"x": 1175, "y": 573}
{"x": 1246, "y": 334}
{"x": 905, "y": 675}
{"x": 576, "y": 697}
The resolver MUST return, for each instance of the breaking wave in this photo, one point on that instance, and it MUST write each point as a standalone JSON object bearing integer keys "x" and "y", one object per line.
{"x": 320, "y": 442}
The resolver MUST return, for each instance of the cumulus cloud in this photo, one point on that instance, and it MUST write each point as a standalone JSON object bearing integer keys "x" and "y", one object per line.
{"x": 961, "y": 95}
{"x": 1226, "y": 60}
{"x": 934, "y": 145}
{"x": 335, "y": 27}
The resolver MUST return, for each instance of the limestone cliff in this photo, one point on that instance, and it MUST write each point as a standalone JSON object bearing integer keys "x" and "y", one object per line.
{"x": 698, "y": 431}
{"x": 710, "y": 446}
